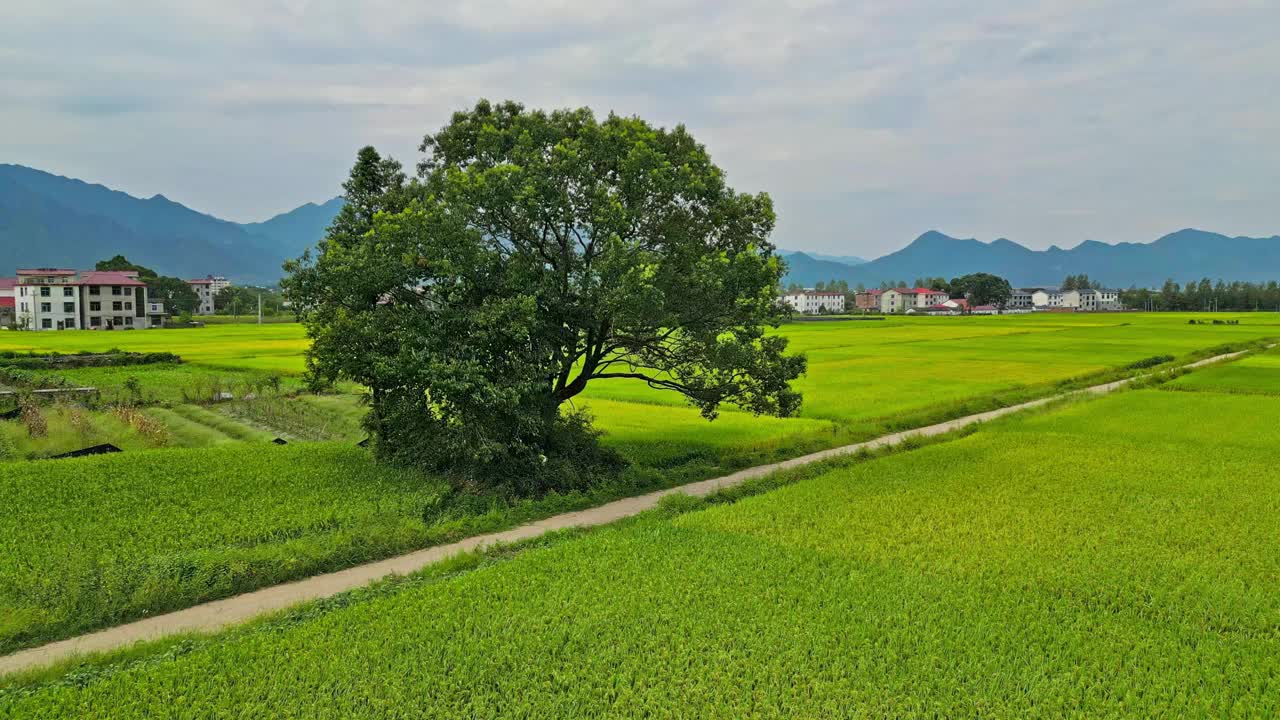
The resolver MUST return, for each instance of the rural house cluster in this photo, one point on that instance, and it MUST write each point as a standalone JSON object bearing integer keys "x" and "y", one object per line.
{"x": 926, "y": 301}
{"x": 67, "y": 299}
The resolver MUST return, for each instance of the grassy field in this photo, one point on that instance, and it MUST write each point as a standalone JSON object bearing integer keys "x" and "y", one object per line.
{"x": 1110, "y": 558}
{"x": 865, "y": 379}
{"x": 1258, "y": 374}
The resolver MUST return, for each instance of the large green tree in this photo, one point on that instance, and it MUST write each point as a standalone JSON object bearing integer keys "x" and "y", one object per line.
{"x": 537, "y": 253}
{"x": 982, "y": 289}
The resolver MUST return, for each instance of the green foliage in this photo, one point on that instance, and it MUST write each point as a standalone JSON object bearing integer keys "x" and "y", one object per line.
{"x": 1150, "y": 362}
{"x": 121, "y": 263}
{"x": 177, "y": 295}
{"x": 982, "y": 289}
{"x": 540, "y": 252}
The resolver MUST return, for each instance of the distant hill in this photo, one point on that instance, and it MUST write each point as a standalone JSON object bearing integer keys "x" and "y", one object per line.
{"x": 842, "y": 259}
{"x": 1184, "y": 255}
{"x": 297, "y": 230}
{"x": 50, "y": 220}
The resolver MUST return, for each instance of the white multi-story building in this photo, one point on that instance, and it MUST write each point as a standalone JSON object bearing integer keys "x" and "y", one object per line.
{"x": 206, "y": 288}
{"x": 47, "y": 299}
{"x": 1046, "y": 298}
{"x": 815, "y": 301}
{"x": 63, "y": 299}
{"x": 1092, "y": 300}
{"x": 1022, "y": 298}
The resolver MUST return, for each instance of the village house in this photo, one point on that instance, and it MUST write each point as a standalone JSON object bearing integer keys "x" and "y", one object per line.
{"x": 867, "y": 299}
{"x": 206, "y": 289}
{"x": 902, "y": 300}
{"x": 812, "y": 302}
{"x": 1044, "y": 298}
{"x": 8, "y": 316}
{"x": 1022, "y": 298}
{"x": 64, "y": 299}
{"x": 1092, "y": 300}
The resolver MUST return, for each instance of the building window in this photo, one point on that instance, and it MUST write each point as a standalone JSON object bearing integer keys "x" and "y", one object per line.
{"x": 116, "y": 305}
{"x": 24, "y": 307}
{"x": 127, "y": 291}
{"x": 71, "y": 322}
{"x": 95, "y": 290}
{"x": 68, "y": 307}
{"x": 46, "y": 307}
{"x": 44, "y": 292}
{"x": 95, "y": 305}
{"x": 46, "y": 323}
{"x": 128, "y": 320}
{"x": 68, "y": 292}
{"x": 115, "y": 289}
{"x": 128, "y": 306}
{"x": 95, "y": 321}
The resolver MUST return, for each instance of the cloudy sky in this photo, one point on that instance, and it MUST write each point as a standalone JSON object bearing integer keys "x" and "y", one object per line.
{"x": 869, "y": 122}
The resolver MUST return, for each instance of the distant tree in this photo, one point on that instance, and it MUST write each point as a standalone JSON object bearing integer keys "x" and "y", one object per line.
{"x": 540, "y": 252}
{"x": 121, "y": 263}
{"x": 983, "y": 289}
{"x": 860, "y": 288}
{"x": 820, "y": 286}
{"x": 939, "y": 284}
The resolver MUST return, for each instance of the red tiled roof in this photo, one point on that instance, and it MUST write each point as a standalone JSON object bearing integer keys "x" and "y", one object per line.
{"x": 8, "y": 283}
{"x": 109, "y": 277}
{"x": 6, "y": 302}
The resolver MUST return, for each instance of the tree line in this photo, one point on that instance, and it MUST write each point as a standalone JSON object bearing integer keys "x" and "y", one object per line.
{"x": 1205, "y": 295}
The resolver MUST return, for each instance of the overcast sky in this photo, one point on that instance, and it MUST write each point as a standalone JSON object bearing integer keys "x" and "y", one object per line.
{"x": 868, "y": 122}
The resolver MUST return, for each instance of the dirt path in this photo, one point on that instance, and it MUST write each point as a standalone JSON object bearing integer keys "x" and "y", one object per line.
{"x": 240, "y": 608}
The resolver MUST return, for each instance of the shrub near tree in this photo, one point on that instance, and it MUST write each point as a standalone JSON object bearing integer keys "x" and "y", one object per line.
{"x": 536, "y": 253}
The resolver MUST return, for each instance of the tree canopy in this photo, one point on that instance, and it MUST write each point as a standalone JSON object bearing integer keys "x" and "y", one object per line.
{"x": 121, "y": 263}
{"x": 982, "y": 289}
{"x": 536, "y": 253}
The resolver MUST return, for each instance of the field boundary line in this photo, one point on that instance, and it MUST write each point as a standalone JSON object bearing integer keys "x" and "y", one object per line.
{"x": 220, "y": 614}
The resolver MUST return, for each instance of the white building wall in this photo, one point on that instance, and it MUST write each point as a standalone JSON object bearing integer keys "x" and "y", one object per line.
{"x": 46, "y": 305}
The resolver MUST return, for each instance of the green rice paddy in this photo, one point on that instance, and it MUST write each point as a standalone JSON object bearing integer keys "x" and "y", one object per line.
{"x": 100, "y": 540}
{"x": 1105, "y": 559}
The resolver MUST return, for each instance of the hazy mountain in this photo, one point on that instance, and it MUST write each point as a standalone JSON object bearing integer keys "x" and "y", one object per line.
{"x": 1183, "y": 255}
{"x": 843, "y": 259}
{"x": 297, "y": 230}
{"x": 50, "y": 220}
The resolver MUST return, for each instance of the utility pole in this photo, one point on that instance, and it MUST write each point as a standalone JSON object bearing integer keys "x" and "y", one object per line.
{"x": 259, "y": 308}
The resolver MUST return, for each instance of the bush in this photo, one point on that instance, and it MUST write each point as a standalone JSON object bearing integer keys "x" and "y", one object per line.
{"x": 1150, "y": 362}
{"x": 524, "y": 451}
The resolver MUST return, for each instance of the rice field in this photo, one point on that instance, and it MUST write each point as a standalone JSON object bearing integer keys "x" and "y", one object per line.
{"x": 1107, "y": 558}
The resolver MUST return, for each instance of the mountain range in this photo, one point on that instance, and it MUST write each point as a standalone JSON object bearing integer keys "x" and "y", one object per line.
{"x": 50, "y": 220}
{"x": 1184, "y": 255}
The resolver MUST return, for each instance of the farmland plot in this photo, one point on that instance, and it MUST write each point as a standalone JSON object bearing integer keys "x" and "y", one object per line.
{"x": 1105, "y": 559}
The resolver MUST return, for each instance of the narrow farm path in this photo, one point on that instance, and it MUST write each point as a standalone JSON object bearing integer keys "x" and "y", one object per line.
{"x": 240, "y": 608}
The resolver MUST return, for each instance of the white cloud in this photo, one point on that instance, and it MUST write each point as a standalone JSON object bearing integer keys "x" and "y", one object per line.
{"x": 1047, "y": 121}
